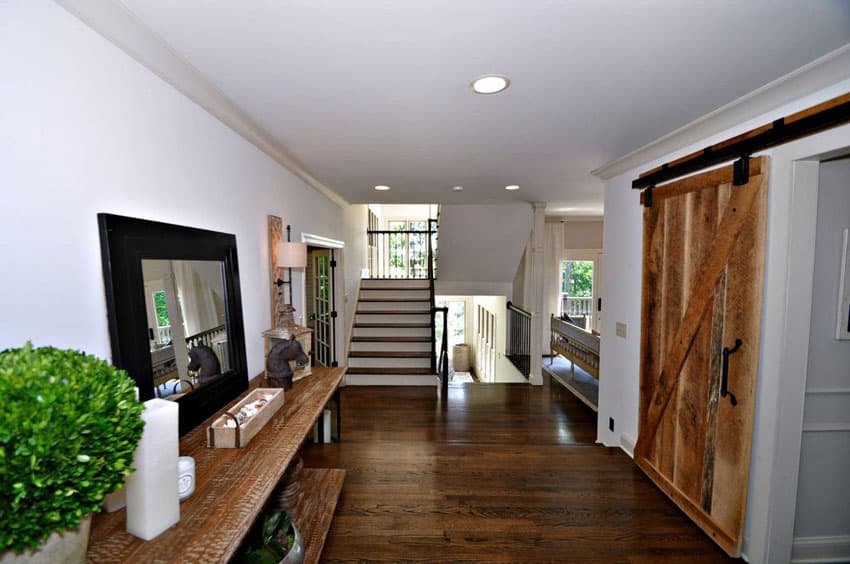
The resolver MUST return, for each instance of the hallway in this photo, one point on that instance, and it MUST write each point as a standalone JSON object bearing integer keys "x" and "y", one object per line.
{"x": 503, "y": 472}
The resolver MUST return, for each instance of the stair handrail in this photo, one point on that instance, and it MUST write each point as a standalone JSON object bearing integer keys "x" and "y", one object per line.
{"x": 519, "y": 338}
{"x": 442, "y": 365}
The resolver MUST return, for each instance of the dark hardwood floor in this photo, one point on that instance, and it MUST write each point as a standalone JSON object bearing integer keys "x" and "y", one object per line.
{"x": 499, "y": 472}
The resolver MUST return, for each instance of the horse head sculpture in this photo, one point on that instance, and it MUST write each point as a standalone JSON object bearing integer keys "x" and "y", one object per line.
{"x": 203, "y": 360}
{"x": 277, "y": 364}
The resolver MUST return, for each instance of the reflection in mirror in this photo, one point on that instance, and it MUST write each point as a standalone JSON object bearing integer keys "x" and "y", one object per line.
{"x": 186, "y": 316}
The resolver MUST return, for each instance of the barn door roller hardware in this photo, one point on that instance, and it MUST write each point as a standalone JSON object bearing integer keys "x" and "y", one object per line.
{"x": 821, "y": 117}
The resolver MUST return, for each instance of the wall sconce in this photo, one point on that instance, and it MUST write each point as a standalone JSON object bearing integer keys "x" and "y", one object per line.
{"x": 290, "y": 255}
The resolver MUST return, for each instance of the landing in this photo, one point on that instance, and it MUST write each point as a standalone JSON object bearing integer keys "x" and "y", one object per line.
{"x": 499, "y": 472}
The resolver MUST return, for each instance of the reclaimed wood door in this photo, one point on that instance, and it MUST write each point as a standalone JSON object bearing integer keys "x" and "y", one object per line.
{"x": 703, "y": 270}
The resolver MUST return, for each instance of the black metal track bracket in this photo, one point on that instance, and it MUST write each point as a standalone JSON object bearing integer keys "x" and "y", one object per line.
{"x": 741, "y": 171}
{"x": 647, "y": 197}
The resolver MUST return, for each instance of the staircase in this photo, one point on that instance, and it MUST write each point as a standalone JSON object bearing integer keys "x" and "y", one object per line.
{"x": 392, "y": 340}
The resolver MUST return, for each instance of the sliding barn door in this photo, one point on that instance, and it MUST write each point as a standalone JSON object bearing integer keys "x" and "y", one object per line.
{"x": 703, "y": 267}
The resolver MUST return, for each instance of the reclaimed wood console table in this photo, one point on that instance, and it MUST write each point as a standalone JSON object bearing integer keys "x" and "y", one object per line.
{"x": 233, "y": 485}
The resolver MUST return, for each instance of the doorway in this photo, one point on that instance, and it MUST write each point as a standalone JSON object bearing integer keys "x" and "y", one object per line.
{"x": 822, "y": 516}
{"x": 321, "y": 307}
{"x": 579, "y": 281}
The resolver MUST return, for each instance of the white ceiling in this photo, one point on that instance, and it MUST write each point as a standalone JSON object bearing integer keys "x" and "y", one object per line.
{"x": 377, "y": 91}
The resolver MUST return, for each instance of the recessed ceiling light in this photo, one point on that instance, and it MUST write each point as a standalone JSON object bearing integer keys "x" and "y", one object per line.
{"x": 381, "y": 188}
{"x": 512, "y": 187}
{"x": 490, "y": 84}
{"x": 457, "y": 188}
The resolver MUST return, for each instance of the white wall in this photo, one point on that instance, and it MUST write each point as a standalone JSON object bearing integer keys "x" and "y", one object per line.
{"x": 620, "y": 358}
{"x": 86, "y": 129}
{"x": 480, "y": 247}
{"x": 823, "y": 495}
{"x": 356, "y": 222}
{"x": 505, "y": 372}
{"x": 518, "y": 284}
{"x": 581, "y": 234}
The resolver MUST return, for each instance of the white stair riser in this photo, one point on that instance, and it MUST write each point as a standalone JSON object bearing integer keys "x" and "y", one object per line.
{"x": 395, "y": 283}
{"x": 419, "y": 307}
{"x": 401, "y": 295}
{"x": 392, "y": 331}
{"x": 393, "y": 318}
{"x": 390, "y": 346}
{"x": 390, "y": 380}
{"x": 378, "y": 362}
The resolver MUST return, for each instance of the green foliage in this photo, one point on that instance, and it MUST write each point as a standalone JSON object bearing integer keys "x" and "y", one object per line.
{"x": 269, "y": 543}
{"x": 577, "y": 278}
{"x": 69, "y": 426}
{"x": 161, "y": 306}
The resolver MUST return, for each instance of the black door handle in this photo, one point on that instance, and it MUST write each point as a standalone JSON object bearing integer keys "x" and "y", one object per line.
{"x": 724, "y": 381}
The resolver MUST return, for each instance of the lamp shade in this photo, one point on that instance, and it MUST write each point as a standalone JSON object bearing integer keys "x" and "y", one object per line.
{"x": 291, "y": 255}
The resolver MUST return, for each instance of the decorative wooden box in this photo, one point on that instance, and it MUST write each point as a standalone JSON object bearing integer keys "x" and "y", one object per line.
{"x": 235, "y": 429}
{"x": 304, "y": 335}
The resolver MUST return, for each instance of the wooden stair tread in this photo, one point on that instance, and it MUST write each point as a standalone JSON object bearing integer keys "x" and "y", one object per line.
{"x": 391, "y": 289}
{"x": 389, "y": 354}
{"x": 394, "y": 325}
{"x": 392, "y": 312}
{"x": 389, "y": 339}
{"x": 385, "y": 370}
{"x": 321, "y": 488}
{"x": 394, "y": 299}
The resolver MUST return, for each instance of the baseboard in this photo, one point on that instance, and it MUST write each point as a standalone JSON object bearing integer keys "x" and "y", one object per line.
{"x": 821, "y": 549}
{"x": 627, "y": 443}
{"x": 391, "y": 380}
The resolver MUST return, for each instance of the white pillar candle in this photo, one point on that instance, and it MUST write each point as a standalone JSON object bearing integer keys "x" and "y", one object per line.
{"x": 152, "y": 498}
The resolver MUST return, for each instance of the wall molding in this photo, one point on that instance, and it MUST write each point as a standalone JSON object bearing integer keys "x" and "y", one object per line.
{"x": 806, "y": 80}
{"x": 821, "y": 549}
{"x": 118, "y": 25}
{"x": 826, "y": 427}
{"x": 830, "y": 391}
{"x": 321, "y": 241}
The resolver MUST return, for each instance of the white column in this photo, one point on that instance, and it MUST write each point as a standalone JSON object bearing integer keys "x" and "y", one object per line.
{"x": 538, "y": 324}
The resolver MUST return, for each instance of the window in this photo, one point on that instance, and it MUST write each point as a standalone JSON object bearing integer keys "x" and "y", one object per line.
{"x": 163, "y": 322}
{"x": 408, "y": 253}
{"x": 577, "y": 290}
{"x": 456, "y": 321}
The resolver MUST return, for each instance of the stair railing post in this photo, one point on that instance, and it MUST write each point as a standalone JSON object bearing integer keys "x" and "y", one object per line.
{"x": 433, "y": 335}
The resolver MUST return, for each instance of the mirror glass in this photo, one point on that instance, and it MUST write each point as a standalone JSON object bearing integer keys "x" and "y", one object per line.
{"x": 187, "y": 328}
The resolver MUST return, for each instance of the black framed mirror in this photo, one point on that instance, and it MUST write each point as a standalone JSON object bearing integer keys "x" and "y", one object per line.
{"x": 175, "y": 312}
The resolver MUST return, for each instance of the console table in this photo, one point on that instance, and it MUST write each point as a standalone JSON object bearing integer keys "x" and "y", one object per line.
{"x": 232, "y": 486}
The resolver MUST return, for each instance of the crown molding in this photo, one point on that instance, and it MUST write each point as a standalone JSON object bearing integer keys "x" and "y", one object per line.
{"x": 808, "y": 79}
{"x": 117, "y": 24}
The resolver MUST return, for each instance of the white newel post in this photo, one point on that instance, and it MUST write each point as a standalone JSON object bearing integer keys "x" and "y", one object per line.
{"x": 538, "y": 324}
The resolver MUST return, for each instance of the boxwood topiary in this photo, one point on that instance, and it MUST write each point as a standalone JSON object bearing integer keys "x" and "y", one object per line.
{"x": 69, "y": 425}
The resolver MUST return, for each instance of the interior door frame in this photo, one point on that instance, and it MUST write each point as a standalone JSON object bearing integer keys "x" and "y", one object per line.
{"x": 338, "y": 289}
{"x": 777, "y": 436}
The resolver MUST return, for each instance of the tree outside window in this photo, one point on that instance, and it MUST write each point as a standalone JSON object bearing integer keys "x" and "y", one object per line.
{"x": 161, "y": 307}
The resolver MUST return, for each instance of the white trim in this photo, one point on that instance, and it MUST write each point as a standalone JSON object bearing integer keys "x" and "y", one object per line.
{"x": 786, "y": 318}
{"x": 806, "y": 80}
{"x": 826, "y": 427}
{"x": 117, "y": 24}
{"x": 817, "y": 391}
{"x": 321, "y": 241}
{"x": 627, "y": 444}
{"x": 821, "y": 549}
